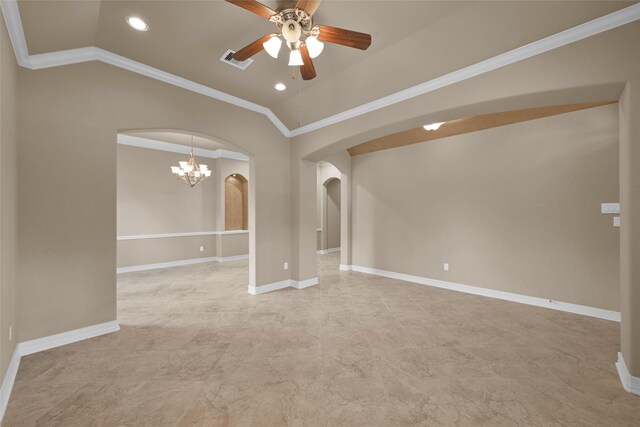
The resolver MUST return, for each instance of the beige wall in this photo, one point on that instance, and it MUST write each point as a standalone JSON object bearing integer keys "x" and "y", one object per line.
{"x": 152, "y": 251}
{"x": 233, "y": 244}
{"x": 8, "y": 199}
{"x": 333, "y": 214}
{"x": 152, "y": 201}
{"x": 69, "y": 118}
{"x": 515, "y": 209}
{"x": 594, "y": 69}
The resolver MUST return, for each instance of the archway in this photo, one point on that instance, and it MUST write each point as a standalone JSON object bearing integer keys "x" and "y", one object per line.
{"x": 236, "y": 202}
{"x": 161, "y": 221}
{"x": 330, "y": 216}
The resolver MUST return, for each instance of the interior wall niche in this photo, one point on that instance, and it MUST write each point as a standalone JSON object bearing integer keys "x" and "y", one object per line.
{"x": 236, "y": 199}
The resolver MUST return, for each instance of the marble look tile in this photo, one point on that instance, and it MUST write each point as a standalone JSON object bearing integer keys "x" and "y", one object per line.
{"x": 196, "y": 349}
{"x": 228, "y": 403}
{"x": 288, "y": 402}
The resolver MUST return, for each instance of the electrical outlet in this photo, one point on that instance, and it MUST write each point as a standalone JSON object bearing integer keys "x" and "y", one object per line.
{"x": 445, "y": 266}
{"x": 286, "y": 265}
{"x": 201, "y": 248}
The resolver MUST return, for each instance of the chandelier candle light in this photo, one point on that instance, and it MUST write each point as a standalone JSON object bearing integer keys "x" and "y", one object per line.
{"x": 189, "y": 171}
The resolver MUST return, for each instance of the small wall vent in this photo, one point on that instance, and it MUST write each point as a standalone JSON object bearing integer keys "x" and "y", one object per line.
{"x": 228, "y": 58}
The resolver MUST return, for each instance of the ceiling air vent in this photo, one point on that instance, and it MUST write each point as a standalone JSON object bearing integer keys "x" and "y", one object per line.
{"x": 228, "y": 58}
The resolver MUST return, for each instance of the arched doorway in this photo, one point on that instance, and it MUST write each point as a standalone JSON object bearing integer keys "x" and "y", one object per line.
{"x": 236, "y": 197}
{"x": 329, "y": 215}
{"x": 331, "y": 222}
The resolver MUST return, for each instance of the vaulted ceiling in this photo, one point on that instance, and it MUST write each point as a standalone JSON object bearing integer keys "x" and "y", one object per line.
{"x": 413, "y": 41}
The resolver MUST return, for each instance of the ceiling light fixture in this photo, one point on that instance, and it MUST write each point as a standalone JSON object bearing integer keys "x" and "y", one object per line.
{"x": 280, "y": 86}
{"x": 314, "y": 46}
{"x": 295, "y": 26}
{"x": 137, "y": 23}
{"x": 189, "y": 171}
{"x": 272, "y": 46}
{"x": 433, "y": 126}
{"x": 295, "y": 58}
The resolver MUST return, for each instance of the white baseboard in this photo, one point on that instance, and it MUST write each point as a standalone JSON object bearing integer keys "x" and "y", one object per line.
{"x": 290, "y": 283}
{"x": 179, "y": 263}
{"x": 45, "y": 343}
{"x": 508, "y": 296}
{"x": 7, "y": 383}
{"x": 345, "y": 267}
{"x": 232, "y": 258}
{"x": 301, "y": 284}
{"x": 629, "y": 382}
{"x": 262, "y": 289}
{"x": 327, "y": 251}
{"x": 57, "y": 340}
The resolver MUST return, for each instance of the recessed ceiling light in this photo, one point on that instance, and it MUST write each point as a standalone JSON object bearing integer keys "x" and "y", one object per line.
{"x": 137, "y": 23}
{"x": 433, "y": 126}
{"x": 280, "y": 86}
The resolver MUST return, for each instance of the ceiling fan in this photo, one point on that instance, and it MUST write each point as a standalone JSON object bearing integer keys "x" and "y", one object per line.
{"x": 292, "y": 25}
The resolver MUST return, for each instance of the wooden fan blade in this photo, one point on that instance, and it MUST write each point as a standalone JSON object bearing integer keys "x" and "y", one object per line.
{"x": 344, "y": 37}
{"x": 251, "y": 49}
{"x": 307, "y": 71}
{"x": 309, "y": 6}
{"x": 255, "y": 7}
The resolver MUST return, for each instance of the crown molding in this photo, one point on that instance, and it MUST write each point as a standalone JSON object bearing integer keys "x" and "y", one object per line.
{"x": 563, "y": 38}
{"x": 152, "y": 144}
{"x": 74, "y": 56}
{"x": 16, "y": 32}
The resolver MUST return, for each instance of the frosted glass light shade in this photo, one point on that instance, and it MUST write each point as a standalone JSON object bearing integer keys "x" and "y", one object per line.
{"x": 272, "y": 46}
{"x": 314, "y": 46}
{"x": 295, "y": 58}
{"x": 190, "y": 172}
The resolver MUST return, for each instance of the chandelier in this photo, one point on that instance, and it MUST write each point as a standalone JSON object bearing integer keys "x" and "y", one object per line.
{"x": 189, "y": 171}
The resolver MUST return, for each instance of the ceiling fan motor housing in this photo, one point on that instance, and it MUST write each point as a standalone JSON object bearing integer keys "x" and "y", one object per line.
{"x": 291, "y": 31}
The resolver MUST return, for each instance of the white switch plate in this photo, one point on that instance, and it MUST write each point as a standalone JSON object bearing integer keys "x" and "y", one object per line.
{"x": 286, "y": 265}
{"x": 610, "y": 208}
{"x": 616, "y": 221}
{"x": 201, "y": 248}
{"x": 446, "y": 266}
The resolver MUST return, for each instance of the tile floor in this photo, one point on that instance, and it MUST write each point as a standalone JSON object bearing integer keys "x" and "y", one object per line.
{"x": 196, "y": 349}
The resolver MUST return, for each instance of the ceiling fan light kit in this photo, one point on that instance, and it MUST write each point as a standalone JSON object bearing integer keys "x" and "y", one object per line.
{"x": 314, "y": 46}
{"x": 295, "y": 58}
{"x": 293, "y": 25}
{"x": 273, "y": 45}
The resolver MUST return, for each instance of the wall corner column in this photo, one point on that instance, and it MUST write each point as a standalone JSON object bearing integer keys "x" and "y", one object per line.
{"x": 303, "y": 218}
{"x": 630, "y": 231}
